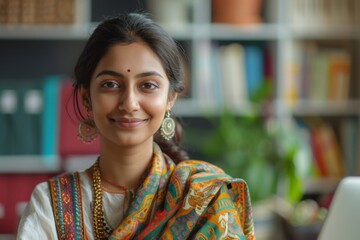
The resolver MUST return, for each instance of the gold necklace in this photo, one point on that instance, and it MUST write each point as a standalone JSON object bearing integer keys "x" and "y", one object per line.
{"x": 98, "y": 214}
{"x": 99, "y": 221}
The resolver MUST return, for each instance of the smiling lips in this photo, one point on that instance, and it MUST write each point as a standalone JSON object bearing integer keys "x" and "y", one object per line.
{"x": 128, "y": 122}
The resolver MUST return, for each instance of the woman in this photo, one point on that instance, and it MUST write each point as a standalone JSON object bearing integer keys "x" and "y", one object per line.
{"x": 142, "y": 186}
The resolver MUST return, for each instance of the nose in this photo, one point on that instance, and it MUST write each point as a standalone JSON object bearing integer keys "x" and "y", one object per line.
{"x": 129, "y": 100}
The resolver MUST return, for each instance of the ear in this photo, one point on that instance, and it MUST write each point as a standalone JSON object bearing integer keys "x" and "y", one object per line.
{"x": 85, "y": 97}
{"x": 171, "y": 101}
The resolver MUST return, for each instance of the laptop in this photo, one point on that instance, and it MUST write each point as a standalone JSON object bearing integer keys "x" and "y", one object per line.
{"x": 343, "y": 219}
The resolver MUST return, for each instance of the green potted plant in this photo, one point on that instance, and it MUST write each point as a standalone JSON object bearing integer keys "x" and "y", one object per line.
{"x": 246, "y": 147}
{"x": 256, "y": 147}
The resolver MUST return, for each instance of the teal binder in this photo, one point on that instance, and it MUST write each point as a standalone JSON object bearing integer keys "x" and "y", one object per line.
{"x": 50, "y": 120}
{"x": 27, "y": 119}
{"x": 9, "y": 106}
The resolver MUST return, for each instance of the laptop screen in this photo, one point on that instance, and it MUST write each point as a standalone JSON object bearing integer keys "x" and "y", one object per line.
{"x": 343, "y": 219}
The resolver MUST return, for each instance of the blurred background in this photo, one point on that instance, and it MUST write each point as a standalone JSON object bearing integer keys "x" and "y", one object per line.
{"x": 272, "y": 96}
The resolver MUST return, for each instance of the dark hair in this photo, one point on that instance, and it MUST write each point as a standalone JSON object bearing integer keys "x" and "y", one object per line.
{"x": 128, "y": 28}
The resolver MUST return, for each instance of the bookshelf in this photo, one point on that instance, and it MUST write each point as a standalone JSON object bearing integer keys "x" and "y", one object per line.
{"x": 280, "y": 33}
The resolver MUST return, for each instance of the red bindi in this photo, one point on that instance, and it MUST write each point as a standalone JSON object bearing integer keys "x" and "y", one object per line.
{"x": 128, "y": 70}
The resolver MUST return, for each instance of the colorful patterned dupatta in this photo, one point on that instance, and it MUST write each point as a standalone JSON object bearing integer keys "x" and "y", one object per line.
{"x": 191, "y": 200}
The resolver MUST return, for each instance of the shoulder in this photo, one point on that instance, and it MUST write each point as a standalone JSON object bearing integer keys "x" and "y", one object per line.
{"x": 37, "y": 220}
{"x": 202, "y": 171}
{"x": 199, "y": 166}
{"x": 41, "y": 195}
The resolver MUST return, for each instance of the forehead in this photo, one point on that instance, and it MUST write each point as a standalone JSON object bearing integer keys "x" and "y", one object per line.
{"x": 137, "y": 56}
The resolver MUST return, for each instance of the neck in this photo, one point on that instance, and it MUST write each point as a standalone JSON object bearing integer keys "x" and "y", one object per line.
{"x": 125, "y": 165}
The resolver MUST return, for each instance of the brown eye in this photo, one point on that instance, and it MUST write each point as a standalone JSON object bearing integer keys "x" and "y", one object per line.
{"x": 110, "y": 84}
{"x": 149, "y": 86}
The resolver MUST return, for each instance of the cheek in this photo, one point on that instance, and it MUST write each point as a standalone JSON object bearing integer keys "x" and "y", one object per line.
{"x": 156, "y": 105}
{"x": 102, "y": 104}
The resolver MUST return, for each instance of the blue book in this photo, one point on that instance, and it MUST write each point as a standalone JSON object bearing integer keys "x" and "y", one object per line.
{"x": 254, "y": 67}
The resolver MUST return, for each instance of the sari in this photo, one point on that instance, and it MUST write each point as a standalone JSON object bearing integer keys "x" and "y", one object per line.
{"x": 190, "y": 200}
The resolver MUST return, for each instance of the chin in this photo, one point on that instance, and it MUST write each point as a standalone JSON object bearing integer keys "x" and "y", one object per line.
{"x": 131, "y": 141}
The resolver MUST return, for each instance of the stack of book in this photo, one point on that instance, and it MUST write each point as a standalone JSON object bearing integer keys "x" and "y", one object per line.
{"x": 37, "y": 11}
{"x": 333, "y": 147}
{"x": 325, "y": 12}
{"x": 237, "y": 75}
{"x": 318, "y": 73}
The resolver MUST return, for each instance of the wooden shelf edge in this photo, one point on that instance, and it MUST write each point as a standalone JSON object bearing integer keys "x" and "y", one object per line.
{"x": 29, "y": 164}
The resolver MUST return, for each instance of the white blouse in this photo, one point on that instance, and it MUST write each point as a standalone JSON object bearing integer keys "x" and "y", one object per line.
{"x": 37, "y": 221}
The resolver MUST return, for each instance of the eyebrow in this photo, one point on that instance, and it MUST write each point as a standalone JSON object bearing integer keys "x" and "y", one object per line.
{"x": 117, "y": 74}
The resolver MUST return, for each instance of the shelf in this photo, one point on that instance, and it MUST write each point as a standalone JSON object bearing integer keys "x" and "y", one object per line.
{"x": 215, "y": 31}
{"x": 321, "y": 185}
{"x": 179, "y": 31}
{"x": 325, "y": 32}
{"x": 29, "y": 164}
{"x": 326, "y": 108}
{"x": 7, "y": 236}
{"x": 195, "y": 108}
{"x": 247, "y": 32}
{"x": 45, "y": 32}
{"x": 223, "y": 31}
{"x": 40, "y": 164}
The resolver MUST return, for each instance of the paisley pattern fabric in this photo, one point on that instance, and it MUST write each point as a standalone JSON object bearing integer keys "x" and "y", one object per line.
{"x": 190, "y": 200}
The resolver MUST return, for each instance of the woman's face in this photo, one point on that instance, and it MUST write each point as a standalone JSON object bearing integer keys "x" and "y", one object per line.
{"x": 129, "y": 94}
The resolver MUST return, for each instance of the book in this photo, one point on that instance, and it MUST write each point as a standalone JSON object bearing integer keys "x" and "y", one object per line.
{"x": 28, "y": 120}
{"x": 45, "y": 12}
{"x": 339, "y": 75}
{"x": 254, "y": 68}
{"x": 65, "y": 11}
{"x": 20, "y": 116}
{"x": 319, "y": 75}
{"x": 217, "y": 75}
{"x": 50, "y": 120}
{"x": 204, "y": 86}
{"x": 234, "y": 75}
{"x": 3, "y": 11}
{"x": 331, "y": 148}
{"x": 290, "y": 85}
{"x": 28, "y": 11}
{"x": 317, "y": 150}
{"x": 349, "y": 132}
{"x": 305, "y": 69}
{"x": 5, "y": 225}
{"x": 9, "y": 101}
{"x": 327, "y": 151}
{"x": 13, "y": 12}
{"x": 324, "y": 12}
